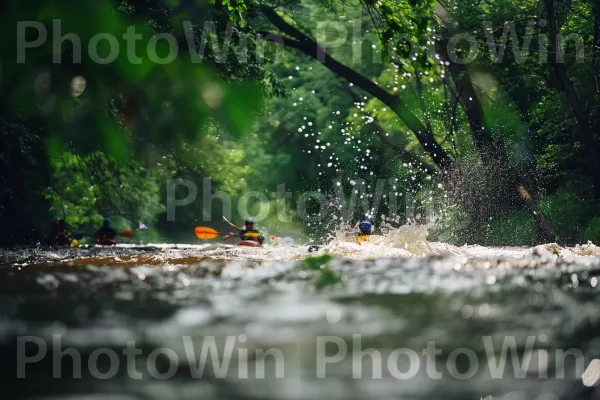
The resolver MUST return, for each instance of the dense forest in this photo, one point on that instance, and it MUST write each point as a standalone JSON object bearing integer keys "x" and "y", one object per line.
{"x": 481, "y": 118}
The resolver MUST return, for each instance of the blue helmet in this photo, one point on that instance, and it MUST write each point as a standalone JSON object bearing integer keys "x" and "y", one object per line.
{"x": 365, "y": 226}
{"x": 106, "y": 221}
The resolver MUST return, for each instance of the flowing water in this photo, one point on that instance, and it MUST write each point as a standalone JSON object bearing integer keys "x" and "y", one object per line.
{"x": 395, "y": 318}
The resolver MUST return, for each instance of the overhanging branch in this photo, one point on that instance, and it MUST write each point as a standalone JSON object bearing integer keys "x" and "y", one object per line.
{"x": 304, "y": 44}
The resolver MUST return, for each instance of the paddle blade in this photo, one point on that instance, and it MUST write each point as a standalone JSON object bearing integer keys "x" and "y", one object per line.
{"x": 204, "y": 232}
{"x": 126, "y": 234}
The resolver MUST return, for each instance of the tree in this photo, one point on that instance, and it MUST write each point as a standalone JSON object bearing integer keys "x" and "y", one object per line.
{"x": 486, "y": 146}
{"x": 126, "y": 102}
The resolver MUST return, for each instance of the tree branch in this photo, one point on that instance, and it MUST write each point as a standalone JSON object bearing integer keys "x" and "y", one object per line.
{"x": 304, "y": 44}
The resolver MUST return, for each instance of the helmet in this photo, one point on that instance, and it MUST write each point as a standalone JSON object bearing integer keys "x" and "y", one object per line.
{"x": 106, "y": 221}
{"x": 249, "y": 220}
{"x": 365, "y": 226}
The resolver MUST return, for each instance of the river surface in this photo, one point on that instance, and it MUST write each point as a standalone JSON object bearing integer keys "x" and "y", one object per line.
{"x": 394, "y": 319}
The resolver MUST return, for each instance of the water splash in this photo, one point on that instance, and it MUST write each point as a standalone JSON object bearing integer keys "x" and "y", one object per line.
{"x": 405, "y": 241}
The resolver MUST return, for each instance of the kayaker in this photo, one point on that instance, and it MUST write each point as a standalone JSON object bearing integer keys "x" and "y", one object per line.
{"x": 249, "y": 228}
{"x": 366, "y": 229}
{"x": 59, "y": 235}
{"x": 80, "y": 233}
{"x": 106, "y": 231}
{"x": 53, "y": 231}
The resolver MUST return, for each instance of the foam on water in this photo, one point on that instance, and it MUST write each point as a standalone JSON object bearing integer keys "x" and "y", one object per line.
{"x": 405, "y": 241}
{"x": 410, "y": 240}
{"x": 396, "y": 291}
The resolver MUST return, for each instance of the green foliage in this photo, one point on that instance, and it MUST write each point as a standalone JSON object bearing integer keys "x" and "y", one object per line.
{"x": 102, "y": 140}
{"x": 405, "y": 27}
{"x": 250, "y": 125}
{"x": 511, "y": 229}
{"x": 85, "y": 189}
{"x": 559, "y": 151}
{"x": 592, "y": 233}
{"x": 570, "y": 214}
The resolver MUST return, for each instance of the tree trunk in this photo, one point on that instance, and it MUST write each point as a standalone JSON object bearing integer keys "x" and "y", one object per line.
{"x": 487, "y": 147}
{"x": 493, "y": 154}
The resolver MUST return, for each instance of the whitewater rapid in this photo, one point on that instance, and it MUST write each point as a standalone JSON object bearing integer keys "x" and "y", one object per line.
{"x": 398, "y": 291}
{"x": 408, "y": 241}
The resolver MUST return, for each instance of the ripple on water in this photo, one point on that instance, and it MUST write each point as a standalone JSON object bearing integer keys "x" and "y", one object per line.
{"x": 455, "y": 296}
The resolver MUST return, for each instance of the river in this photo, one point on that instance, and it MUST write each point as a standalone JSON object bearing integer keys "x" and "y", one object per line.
{"x": 386, "y": 320}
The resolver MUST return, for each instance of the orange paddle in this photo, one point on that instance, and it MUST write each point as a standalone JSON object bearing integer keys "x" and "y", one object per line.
{"x": 204, "y": 232}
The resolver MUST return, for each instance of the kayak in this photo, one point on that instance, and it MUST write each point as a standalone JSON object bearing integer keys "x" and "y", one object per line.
{"x": 106, "y": 242}
{"x": 249, "y": 243}
{"x": 363, "y": 238}
{"x": 374, "y": 239}
{"x": 61, "y": 241}
{"x": 62, "y": 245}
